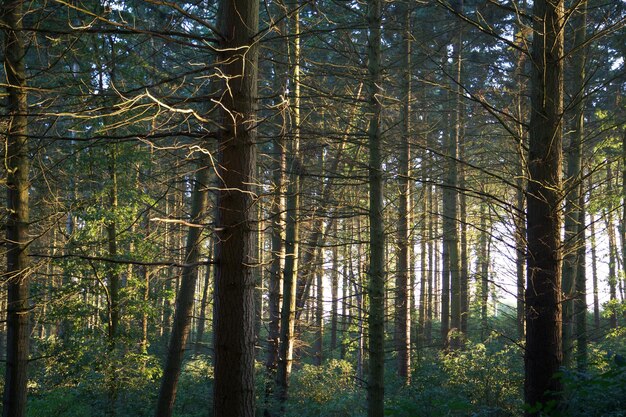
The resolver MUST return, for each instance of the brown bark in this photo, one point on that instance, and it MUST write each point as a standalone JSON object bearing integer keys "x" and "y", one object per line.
{"x": 184, "y": 300}
{"x": 543, "y": 291}
{"x": 17, "y": 239}
{"x": 403, "y": 285}
{"x": 233, "y": 394}
{"x": 376, "y": 282}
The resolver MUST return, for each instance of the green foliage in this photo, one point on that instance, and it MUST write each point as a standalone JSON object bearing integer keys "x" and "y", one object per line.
{"x": 329, "y": 390}
{"x": 488, "y": 374}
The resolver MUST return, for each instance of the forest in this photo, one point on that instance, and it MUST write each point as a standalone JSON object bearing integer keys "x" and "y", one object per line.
{"x": 313, "y": 208}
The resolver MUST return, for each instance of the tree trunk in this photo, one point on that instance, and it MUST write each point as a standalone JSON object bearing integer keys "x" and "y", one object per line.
{"x": 594, "y": 265}
{"x": 201, "y": 323}
{"x": 319, "y": 316}
{"x": 483, "y": 267}
{"x": 233, "y": 394}
{"x": 543, "y": 292}
{"x": 184, "y": 299}
{"x": 334, "y": 289}
{"x": 17, "y": 182}
{"x": 113, "y": 278}
{"x": 403, "y": 285}
{"x": 579, "y": 299}
{"x": 610, "y": 228}
{"x": 376, "y": 289}
{"x": 292, "y": 234}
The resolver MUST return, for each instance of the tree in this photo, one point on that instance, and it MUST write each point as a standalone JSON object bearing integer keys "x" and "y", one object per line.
{"x": 234, "y": 279}
{"x": 403, "y": 284}
{"x": 376, "y": 282}
{"x": 543, "y": 291}
{"x": 17, "y": 236}
{"x": 185, "y": 298}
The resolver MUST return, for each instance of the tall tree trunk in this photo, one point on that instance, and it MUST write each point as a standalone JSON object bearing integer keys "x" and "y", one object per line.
{"x": 204, "y": 301}
{"x": 113, "y": 277}
{"x": 376, "y": 288}
{"x": 579, "y": 300}
{"x": 543, "y": 292}
{"x": 594, "y": 264}
{"x": 275, "y": 279}
{"x": 610, "y": 228}
{"x": 319, "y": 315}
{"x": 483, "y": 267}
{"x": 292, "y": 234}
{"x": 403, "y": 285}
{"x": 345, "y": 295}
{"x": 233, "y": 393}
{"x": 431, "y": 309}
{"x": 17, "y": 238}
{"x": 334, "y": 289}
{"x": 185, "y": 298}
{"x": 580, "y": 296}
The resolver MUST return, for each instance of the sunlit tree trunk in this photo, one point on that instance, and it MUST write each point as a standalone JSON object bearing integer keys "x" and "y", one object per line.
{"x": 579, "y": 296}
{"x": 334, "y": 290}
{"x": 292, "y": 226}
{"x": 17, "y": 238}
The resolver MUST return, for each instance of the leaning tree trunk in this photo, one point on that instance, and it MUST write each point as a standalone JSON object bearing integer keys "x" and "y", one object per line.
{"x": 184, "y": 299}
{"x": 376, "y": 289}
{"x": 233, "y": 393}
{"x": 543, "y": 291}
{"x": 17, "y": 164}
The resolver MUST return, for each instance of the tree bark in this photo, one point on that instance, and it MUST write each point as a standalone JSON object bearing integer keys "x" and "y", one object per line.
{"x": 292, "y": 226}
{"x": 543, "y": 292}
{"x": 204, "y": 301}
{"x": 403, "y": 284}
{"x": 184, "y": 300}
{"x": 233, "y": 394}
{"x": 376, "y": 288}
{"x": 17, "y": 238}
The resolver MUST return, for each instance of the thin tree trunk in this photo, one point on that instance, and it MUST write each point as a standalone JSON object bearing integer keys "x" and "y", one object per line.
{"x": 402, "y": 299}
{"x": 114, "y": 287}
{"x": 376, "y": 288}
{"x": 233, "y": 393}
{"x": 201, "y": 323}
{"x": 543, "y": 292}
{"x": 290, "y": 277}
{"x": 319, "y": 316}
{"x": 610, "y": 228}
{"x": 345, "y": 294}
{"x": 275, "y": 280}
{"x": 185, "y": 298}
{"x": 483, "y": 267}
{"x": 594, "y": 266}
{"x": 334, "y": 289}
{"x": 579, "y": 302}
{"x": 17, "y": 183}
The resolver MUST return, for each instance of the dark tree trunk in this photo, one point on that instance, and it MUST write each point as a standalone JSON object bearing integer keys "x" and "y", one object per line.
{"x": 201, "y": 323}
{"x": 402, "y": 299}
{"x": 184, "y": 300}
{"x": 334, "y": 289}
{"x": 543, "y": 292}
{"x": 292, "y": 226}
{"x": 376, "y": 288}
{"x": 234, "y": 317}
{"x": 17, "y": 182}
